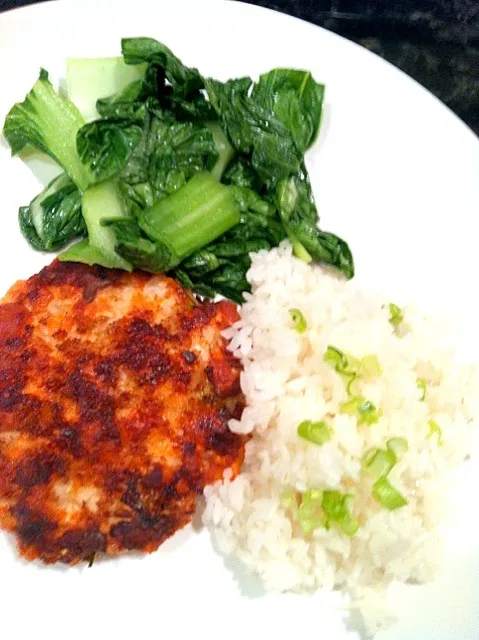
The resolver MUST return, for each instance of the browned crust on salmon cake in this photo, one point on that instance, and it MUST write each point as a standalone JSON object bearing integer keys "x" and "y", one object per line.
{"x": 115, "y": 394}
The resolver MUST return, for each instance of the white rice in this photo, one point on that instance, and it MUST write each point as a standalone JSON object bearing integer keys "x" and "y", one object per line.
{"x": 285, "y": 381}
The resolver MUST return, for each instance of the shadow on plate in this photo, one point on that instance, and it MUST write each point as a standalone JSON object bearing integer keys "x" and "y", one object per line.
{"x": 354, "y": 623}
{"x": 249, "y": 585}
{"x": 43, "y": 168}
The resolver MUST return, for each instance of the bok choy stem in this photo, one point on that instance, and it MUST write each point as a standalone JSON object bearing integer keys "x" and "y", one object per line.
{"x": 195, "y": 215}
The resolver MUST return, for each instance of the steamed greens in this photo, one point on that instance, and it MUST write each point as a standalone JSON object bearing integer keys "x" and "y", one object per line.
{"x": 48, "y": 123}
{"x": 179, "y": 173}
{"x": 54, "y": 217}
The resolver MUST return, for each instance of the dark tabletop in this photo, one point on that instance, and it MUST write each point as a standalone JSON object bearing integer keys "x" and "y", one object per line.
{"x": 435, "y": 41}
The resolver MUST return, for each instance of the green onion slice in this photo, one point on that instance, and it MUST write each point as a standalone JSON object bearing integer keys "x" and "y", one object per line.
{"x": 333, "y": 505}
{"x": 387, "y": 496}
{"x": 321, "y": 508}
{"x": 312, "y": 496}
{"x": 307, "y": 524}
{"x": 349, "y": 525}
{"x": 368, "y": 413}
{"x": 289, "y": 500}
{"x": 398, "y": 446}
{"x": 348, "y": 502}
{"x": 349, "y": 407}
{"x": 435, "y": 430}
{"x": 337, "y": 358}
{"x": 396, "y": 315}
{"x": 315, "y": 432}
{"x": 308, "y": 512}
{"x": 370, "y": 367}
{"x": 344, "y": 364}
{"x": 378, "y": 462}
{"x": 368, "y": 456}
{"x": 338, "y": 507}
{"x": 348, "y": 365}
{"x": 349, "y": 386}
{"x": 353, "y": 363}
{"x": 299, "y": 322}
{"x": 365, "y": 410}
{"x": 421, "y": 385}
{"x": 352, "y": 370}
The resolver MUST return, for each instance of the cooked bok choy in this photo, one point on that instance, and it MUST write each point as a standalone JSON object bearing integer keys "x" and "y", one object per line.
{"x": 174, "y": 171}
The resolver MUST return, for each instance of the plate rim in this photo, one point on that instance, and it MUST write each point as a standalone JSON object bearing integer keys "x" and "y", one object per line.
{"x": 28, "y": 11}
{"x": 86, "y": 4}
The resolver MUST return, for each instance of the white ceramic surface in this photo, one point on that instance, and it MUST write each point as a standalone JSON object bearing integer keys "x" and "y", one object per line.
{"x": 396, "y": 174}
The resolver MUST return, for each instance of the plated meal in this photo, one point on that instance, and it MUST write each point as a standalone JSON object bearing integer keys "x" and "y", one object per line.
{"x": 199, "y": 334}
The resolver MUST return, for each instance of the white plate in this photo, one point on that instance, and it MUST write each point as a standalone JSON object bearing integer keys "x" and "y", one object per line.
{"x": 395, "y": 173}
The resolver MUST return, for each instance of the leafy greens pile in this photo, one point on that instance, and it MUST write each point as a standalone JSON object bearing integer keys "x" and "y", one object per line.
{"x": 180, "y": 172}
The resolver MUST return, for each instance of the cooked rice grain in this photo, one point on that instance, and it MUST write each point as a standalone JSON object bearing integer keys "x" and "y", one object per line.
{"x": 286, "y": 381}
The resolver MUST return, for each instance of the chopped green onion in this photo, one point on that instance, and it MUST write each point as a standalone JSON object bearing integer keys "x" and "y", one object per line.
{"x": 315, "y": 432}
{"x": 349, "y": 525}
{"x": 396, "y": 315}
{"x": 379, "y": 462}
{"x": 352, "y": 369}
{"x": 386, "y": 495}
{"x": 320, "y": 508}
{"x": 435, "y": 429}
{"x": 365, "y": 410}
{"x": 421, "y": 385}
{"x": 348, "y": 502}
{"x": 338, "y": 507}
{"x": 289, "y": 500}
{"x": 353, "y": 364}
{"x": 307, "y": 514}
{"x": 367, "y": 367}
{"x": 398, "y": 446}
{"x": 312, "y": 496}
{"x": 344, "y": 364}
{"x": 299, "y": 322}
{"x": 333, "y": 505}
{"x": 350, "y": 407}
{"x": 368, "y": 413}
{"x": 307, "y": 526}
{"x": 306, "y": 510}
{"x": 349, "y": 386}
{"x": 370, "y": 367}
{"x": 368, "y": 456}
{"x": 336, "y": 358}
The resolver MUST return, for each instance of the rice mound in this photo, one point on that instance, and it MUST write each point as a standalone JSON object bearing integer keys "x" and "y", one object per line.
{"x": 285, "y": 381}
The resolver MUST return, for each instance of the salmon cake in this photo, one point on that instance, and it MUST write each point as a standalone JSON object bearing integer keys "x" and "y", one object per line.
{"x": 115, "y": 395}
